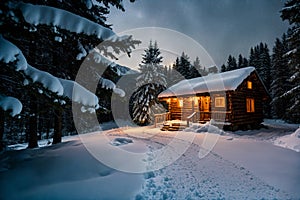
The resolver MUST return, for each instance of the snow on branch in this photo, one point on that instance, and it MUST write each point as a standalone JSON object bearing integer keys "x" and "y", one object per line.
{"x": 82, "y": 53}
{"x": 119, "y": 92}
{"x": 109, "y": 85}
{"x": 291, "y": 91}
{"x": 38, "y": 14}
{"x": 79, "y": 94}
{"x": 49, "y": 81}
{"x": 10, "y": 53}
{"x": 10, "y": 104}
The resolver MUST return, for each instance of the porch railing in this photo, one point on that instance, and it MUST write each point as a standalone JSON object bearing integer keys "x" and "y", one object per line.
{"x": 191, "y": 118}
{"x": 161, "y": 118}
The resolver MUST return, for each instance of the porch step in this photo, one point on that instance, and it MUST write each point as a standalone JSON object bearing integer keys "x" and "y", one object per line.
{"x": 173, "y": 126}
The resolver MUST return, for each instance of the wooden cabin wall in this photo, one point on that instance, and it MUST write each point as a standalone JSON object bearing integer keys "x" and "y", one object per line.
{"x": 228, "y": 103}
{"x": 240, "y": 116}
{"x": 225, "y": 110}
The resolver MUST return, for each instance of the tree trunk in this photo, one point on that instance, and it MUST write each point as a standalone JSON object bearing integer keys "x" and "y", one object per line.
{"x": 2, "y": 120}
{"x": 33, "y": 138}
{"x": 49, "y": 124}
{"x": 57, "y": 126}
{"x": 39, "y": 127}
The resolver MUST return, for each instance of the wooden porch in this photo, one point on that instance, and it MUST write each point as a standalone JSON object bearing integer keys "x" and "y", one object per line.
{"x": 165, "y": 119}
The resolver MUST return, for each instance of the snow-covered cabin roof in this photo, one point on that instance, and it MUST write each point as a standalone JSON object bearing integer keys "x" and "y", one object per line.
{"x": 225, "y": 81}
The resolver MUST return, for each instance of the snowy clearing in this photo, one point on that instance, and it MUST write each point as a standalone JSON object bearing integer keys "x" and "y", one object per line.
{"x": 244, "y": 166}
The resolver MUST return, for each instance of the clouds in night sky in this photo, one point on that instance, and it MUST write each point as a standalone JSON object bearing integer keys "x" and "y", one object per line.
{"x": 222, "y": 27}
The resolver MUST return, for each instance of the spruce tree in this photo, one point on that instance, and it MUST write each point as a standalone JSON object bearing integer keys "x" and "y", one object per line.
{"x": 48, "y": 34}
{"x": 245, "y": 62}
{"x": 223, "y": 68}
{"x": 176, "y": 72}
{"x": 185, "y": 66}
{"x": 196, "y": 68}
{"x": 240, "y": 61}
{"x": 279, "y": 84}
{"x": 231, "y": 63}
{"x": 290, "y": 12}
{"x": 265, "y": 64}
{"x": 149, "y": 84}
{"x": 183, "y": 69}
{"x": 261, "y": 60}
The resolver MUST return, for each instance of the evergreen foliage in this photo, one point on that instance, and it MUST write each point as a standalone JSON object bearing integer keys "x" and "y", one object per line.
{"x": 150, "y": 83}
{"x": 58, "y": 49}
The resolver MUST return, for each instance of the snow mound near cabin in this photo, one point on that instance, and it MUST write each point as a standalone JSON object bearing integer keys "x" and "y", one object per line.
{"x": 291, "y": 141}
{"x": 121, "y": 141}
{"x": 204, "y": 128}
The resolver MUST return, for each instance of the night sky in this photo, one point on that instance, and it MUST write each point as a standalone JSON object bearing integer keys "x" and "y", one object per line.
{"x": 222, "y": 27}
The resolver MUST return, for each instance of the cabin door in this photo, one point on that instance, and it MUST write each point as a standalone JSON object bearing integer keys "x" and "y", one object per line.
{"x": 204, "y": 108}
{"x": 205, "y": 104}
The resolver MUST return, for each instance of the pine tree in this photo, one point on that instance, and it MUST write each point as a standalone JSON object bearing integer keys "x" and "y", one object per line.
{"x": 223, "y": 68}
{"x": 185, "y": 66}
{"x": 261, "y": 60}
{"x": 177, "y": 72}
{"x": 242, "y": 62}
{"x": 57, "y": 47}
{"x": 279, "y": 82}
{"x": 231, "y": 63}
{"x": 182, "y": 69}
{"x": 265, "y": 65}
{"x": 152, "y": 55}
{"x": 196, "y": 69}
{"x": 245, "y": 62}
{"x": 290, "y": 12}
{"x": 149, "y": 84}
{"x": 254, "y": 57}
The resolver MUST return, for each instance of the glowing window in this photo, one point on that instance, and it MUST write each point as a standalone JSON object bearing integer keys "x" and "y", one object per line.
{"x": 180, "y": 102}
{"x": 250, "y": 105}
{"x": 195, "y": 99}
{"x": 249, "y": 84}
{"x": 220, "y": 102}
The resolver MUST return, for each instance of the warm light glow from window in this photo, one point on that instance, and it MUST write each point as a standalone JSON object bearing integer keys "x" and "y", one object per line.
{"x": 180, "y": 102}
{"x": 250, "y": 105}
{"x": 220, "y": 102}
{"x": 249, "y": 84}
{"x": 168, "y": 100}
{"x": 195, "y": 99}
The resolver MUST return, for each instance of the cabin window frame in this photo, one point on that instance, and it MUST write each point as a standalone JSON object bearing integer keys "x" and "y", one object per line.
{"x": 249, "y": 85}
{"x": 218, "y": 104}
{"x": 250, "y": 105}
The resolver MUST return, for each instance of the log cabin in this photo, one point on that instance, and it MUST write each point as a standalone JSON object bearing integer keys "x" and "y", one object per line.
{"x": 233, "y": 99}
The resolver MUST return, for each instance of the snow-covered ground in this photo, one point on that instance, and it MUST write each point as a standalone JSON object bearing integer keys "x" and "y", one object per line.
{"x": 243, "y": 166}
{"x": 290, "y": 141}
